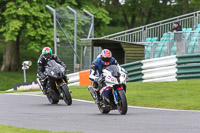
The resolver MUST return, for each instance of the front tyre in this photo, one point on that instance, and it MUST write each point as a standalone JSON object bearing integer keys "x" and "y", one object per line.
{"x": 66, "y": 95}
{"x": 122, "y": 104}
{"x": 103, "y": 110}
{"x": 52, "y": 100}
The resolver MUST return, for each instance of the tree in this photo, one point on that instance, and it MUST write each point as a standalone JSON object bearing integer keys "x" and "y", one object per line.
{"x": 194, "y": 5}
{"x": 101, "y": 15}
{"x": 28, "y": 19}
{"x": 133, "y": 13}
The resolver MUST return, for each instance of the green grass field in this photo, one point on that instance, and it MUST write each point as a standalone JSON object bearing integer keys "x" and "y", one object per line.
{"x": 174, "y": 95}
{"x": 11, "y": 129}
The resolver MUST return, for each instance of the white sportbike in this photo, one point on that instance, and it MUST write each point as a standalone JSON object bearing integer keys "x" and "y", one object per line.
{"x": 112, "y": 89}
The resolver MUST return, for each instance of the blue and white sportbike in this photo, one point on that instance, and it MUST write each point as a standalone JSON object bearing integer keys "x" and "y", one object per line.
{"x": 111, "y": 89}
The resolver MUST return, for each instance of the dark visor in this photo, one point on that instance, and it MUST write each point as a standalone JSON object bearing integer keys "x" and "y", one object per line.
{"x": 106, "y": 59}
{"x": 47, "y": 55}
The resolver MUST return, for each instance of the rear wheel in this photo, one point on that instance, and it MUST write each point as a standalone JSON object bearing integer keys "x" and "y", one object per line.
{"x": 52, "y": 100}
{"x": 66, "y": 95}
{"x": 122, "y": 104}
{"x": 103, "y": 110}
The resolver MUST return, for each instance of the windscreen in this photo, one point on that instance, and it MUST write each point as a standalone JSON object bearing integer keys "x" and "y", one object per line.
{"x": 52, "y": 64}
{"x": 114, "y": 70}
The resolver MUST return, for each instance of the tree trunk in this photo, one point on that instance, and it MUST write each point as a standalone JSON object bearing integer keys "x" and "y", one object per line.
{"x": 133, "y": 18}
{"x": 115, "y": 3}
{"x": 125, "y": 18}
{"x": 149, "y": 16}
{"x": 11, "y": 56}
{"x": 185, "y": 6}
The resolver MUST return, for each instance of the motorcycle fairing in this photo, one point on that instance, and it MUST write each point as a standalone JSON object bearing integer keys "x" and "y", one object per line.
{"x": 106, "y": 92}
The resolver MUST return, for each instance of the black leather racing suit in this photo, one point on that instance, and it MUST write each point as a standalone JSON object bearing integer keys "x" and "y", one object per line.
{"x": 42, "y": 62}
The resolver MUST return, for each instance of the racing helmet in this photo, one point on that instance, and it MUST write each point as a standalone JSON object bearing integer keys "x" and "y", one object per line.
{"x": 106, "y": 56}
{"x": 47, "y": 52}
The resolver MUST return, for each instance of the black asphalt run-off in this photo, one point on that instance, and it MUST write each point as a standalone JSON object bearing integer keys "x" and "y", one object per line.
{"x": 35, "y": 112}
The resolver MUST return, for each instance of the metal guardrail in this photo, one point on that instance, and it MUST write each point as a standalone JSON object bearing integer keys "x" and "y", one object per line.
{"x": 188, "y": 67}
{"x": 156, "y": 29}
{"x": 134, "y": 70}
{"x": 170, "y": 68}
{"x": 159, "y": 69}
{"x": 188, "y": 59}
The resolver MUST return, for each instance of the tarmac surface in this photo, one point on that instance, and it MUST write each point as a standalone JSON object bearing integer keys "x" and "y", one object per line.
{"x": 35, "y": 112}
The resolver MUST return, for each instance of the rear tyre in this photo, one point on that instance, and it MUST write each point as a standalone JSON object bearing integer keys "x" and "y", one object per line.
{"x": 103, "y": 110}
{"x": 66, "y": 95}
{"x": 122, "y": 104}
{"x": 52, "y": 100}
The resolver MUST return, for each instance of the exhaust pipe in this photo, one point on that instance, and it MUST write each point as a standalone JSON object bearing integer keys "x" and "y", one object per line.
{"x": 39, "y": 83}
{"x": 92, "y": 92}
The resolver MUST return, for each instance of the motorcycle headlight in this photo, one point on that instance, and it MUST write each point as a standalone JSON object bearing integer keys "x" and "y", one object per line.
{"x": 62, "y": 69}
{"x": 52, "y": 72}
{"x": 122, "y": 78}
{"x": 113, "y": 79}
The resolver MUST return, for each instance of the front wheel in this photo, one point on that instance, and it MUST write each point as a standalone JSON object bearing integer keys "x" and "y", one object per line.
{"x": 52, "y": 100}
{"x": 122, "y": 104}
{"x": 66, "y": 95}
{"x": 103, "y": 110}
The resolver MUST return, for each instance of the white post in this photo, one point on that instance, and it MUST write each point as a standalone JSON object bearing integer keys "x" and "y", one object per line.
{"x": 54, "y": 24}
{"x": 75, "y": 35}
{"x": 25, "y": 65}
{"x": 24, "y": 73}
{"x": 91, "y": 31}
{"x": 91, "y": 34}
{"x": 75, "y": 40}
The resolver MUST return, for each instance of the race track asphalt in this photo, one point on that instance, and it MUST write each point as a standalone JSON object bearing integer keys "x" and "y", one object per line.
{"x": 35, "y": 112}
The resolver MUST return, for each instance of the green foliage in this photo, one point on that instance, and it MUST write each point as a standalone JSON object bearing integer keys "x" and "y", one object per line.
{"x": 113, "y": 29}
{"x": 101, "y": 15}
{"x": 133, "y": 13}
{"x": 31, "y": 20}
{"x": 194, "y": 5}
{"x": 101, "y": 19}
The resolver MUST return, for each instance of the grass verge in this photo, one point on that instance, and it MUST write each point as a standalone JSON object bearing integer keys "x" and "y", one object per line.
{"x": 183, "y": 94}
{"x": 11, "y": 129}
{"x": 9, "y": 79}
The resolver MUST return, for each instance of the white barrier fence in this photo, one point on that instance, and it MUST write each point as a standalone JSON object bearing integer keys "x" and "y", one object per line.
{"x": 159, "y": 69}
{"x": 170, "y": 78}
{"x": 159, "y": 62}
{"x": 73, "y": 79}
